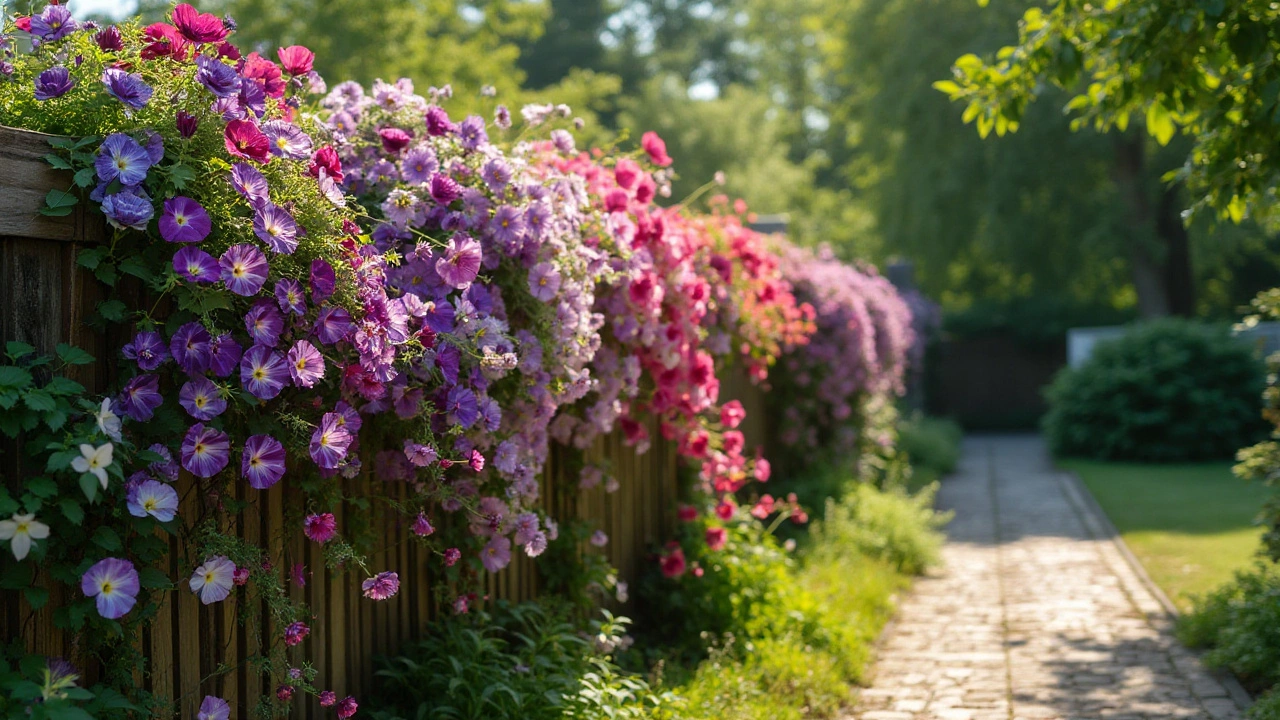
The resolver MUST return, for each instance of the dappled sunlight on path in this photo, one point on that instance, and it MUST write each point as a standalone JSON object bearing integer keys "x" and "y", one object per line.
{"x": 1036, "y": 613}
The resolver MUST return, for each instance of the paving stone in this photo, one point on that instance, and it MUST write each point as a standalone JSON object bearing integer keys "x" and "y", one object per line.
{"x": 1035, "y": 613}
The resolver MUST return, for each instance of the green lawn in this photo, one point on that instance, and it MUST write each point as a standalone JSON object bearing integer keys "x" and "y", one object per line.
{"x": 1190, "y": 525}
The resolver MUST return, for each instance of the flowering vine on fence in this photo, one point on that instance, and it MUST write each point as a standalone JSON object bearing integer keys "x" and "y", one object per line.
{"x": 331, "y": 284}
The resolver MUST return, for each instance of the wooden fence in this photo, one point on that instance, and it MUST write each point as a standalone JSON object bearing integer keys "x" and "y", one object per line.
{"x": 192, "y": 649}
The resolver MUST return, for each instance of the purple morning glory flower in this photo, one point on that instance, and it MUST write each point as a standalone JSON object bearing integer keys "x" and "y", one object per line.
{"x": 140, "y": 397}
{"x": 461, "y": 261}
{"x": 250, "y": 183}
{"x": 54, "y": 82}
{"x": 205, "y": 451}
{"x": 439, "y": 317}
{"x": 306, "y": 366}
{"x": 348, "y": 417}
{"x": 165, "y": 467}
{"x": 201, "y": 398}
{"x": 264, "y": 323}
{"x": 113, "y": 583}
{"x": 190, "y": 347}
{"x": 147, "y": 349}
{"x": 226, "y": 355}
{"x": 462, "y": 406}
{"x": 128, "y": 209}
{"x": 448, "y": 359}
{"x": 53, "y": 23}
{"x": 276, "y": 227}
{"x": 263, "y": 372}
{"x": 287, "y": 140}
{"x": 471, "y": 133}
{"x": 263, "y": 461}
{"x": 444, "y": 189}
{"x": 214, "y": 708}
{"x": 544, "y": 281}
{"x": 128, "y": 88}
{"x": 333, "y": 324}
{"x": 244, "y": 269}
{"x": 120, "y": 157}
{"x": 154, "y": 498}
{"x": 330, "y": 441}
{"x": 253, "y": 98}
{"x": 419, "y": 165}
{"x": 196, "y": 265}
{"x": 218, "y": 77}
{"x": 154, "y": 145}
{"x": 291, "y": 297}
{"x": 184, "y": 221}
{"x": 323, "y": 280}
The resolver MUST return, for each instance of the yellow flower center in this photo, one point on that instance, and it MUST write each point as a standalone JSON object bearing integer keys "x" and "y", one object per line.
{"x": 200, "y": 401}
{"x": 106, "y": 587}
{"x": 150, "y": 505}
{"x": 208, "y": 577}
{"x": 259, "y": 373}
{"x": 181, "y": 220}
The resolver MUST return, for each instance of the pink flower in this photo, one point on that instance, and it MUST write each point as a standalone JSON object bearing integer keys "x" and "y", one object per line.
{"x": 198, "y": 27}
{"x": 299, "y": 573}
{"x": 461, "y": 261}
{"x": 452, "y": 556}
{"x": 476, "y": 461}
{"x": 724, "y": 510}
{"x": 380, "y": 587}
{"x": 687, "y": 513}
{"x": 716, "y": 537}
{"x": 763, "y": 508}
{"x": 655, "y": 148}
{"x": 296, "y": 59}
{"x": 673, "y": 563}
{"x": 763, "y": 470}
{"x": 320, "y": 528}
{"x": 244, "y": 139}
{"x": 732, "y": 414}
{"x": 599, "y": 539}
{"x": 240, "y": 576}
{"x": 422, "y": 526}
{"x": 328, "y": 698}
{"x": 295, "y": 633}
{"x": 285, "y": 692}
{"x": 347, "y": 707}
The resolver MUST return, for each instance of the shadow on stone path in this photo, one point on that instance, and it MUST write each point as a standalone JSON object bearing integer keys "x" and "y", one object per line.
{"x": 1036, "y": 613}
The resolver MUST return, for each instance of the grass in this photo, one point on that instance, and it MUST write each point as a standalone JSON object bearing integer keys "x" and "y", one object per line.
{"x": 1191, "y": 525}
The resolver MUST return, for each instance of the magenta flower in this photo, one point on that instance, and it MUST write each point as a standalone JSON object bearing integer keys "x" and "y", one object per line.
{"x": 191, "y": 348}
{"x": 295, "y": 632}
{"x": 196, "y": 265}
{"x": 243, "y": 139}
{"x": 306, "y": 366}
{"x": 113, "y": 583}
{"x": 226, "y": 355}
{"x": 381, "y": 586}
{"x": 263, "y": 461}
{"x": 330, "y": 441}
{"x": 153, "y": 498}
{"x": 184, "y": 221}
{"x": 544, "y": 281}
{"x": 128, "y": 88}
{"x": 205, "y": 451}
{"x": 198, "y": 27}
{"x": 291, "y": 297}
{"x": 438, "y": 122}
{"x": 140, "y": 397}
{"x": 264, "y": 323}
{"x": 244, "y": 269}
{"x": 263, "y": 372}
{"x": 296, "y": 59}
{"x": 299, "y": 573}
{"x": 214, "y": 579}
{"x": 476, "y": 460}
{"x": 328, "y": 698}
{"x": 287, "y": 140}
{"x": 320, "y": 528}
{"x": 444, "y": 189}
{"x": 250, "y": 184}
{"x": 276, "y": 227}
{"x": 186, "y": 123}
{"x": 214, "y": 708}
{"x": 394, "y": 139}
{"x": 201, "y": 398}
{"x": 461, "y": 261}
{"x": 452, "y": 556}
{"x": 655, "y": 148}
{"x": 496, "y": 553}
{"x": 599, "y": 539}
{"x": 347, "y": 707}
{"x": 54, "y": 82}
{"x": 422, "y": 526}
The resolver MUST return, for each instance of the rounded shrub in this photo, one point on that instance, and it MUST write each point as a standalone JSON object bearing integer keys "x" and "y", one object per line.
{"x": 1167, "y": 391}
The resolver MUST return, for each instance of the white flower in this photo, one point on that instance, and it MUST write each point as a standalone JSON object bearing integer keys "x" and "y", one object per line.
{"x": 108, "y": 422}
{"x": 94, "y": 460}
{"x": 21, "y": 530}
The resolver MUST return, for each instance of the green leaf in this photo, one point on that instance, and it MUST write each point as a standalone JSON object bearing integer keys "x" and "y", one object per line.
{"x": 58, "y": 203}
{"x": 64, "y": 143}
{"x": 37, "y": 597}
{"x": 65, "y": 710}
{"x": 154, "y": 578}
{"x": 17, "y": 576}
{"x": 39, "y": 400}
{"x": 112, "y": 310}
{"x": 14, "y": 378}
{"x": 181, "y": 176}
{"x": 107, "y": 539}
{"x": 18, "y": 350}
{"x": 106, "y": 272}
{"x": 85, "y": 177}
{"x": 133, "y": 266}
{"x": 1160, "y": 123}
{"x": 89, "y": 485}
{"x": 73, "y": 355}
{"x": 71, "y": 510}
{"x": 64, "y": 386}
{"x": 57, "y": 161}
{"x": 41, "y": 487}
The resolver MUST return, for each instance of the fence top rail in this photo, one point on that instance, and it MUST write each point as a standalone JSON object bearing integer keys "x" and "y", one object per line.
{"x": 24, "y": 185}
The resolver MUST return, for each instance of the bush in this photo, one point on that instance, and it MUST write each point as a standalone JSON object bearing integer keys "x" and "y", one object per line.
{"x": 931, "y": 444}
{"x": 525, "y": 662}
{"x": 1167, "y": 391}
{"x": 1239, "y": 623}
{"x": 889, "y": 525}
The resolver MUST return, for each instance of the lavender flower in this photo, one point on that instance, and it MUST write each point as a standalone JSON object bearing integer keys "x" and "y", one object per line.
{"x": 418, "y": 165}
{"x": 205, "y": 451}
{"x": 381, "y": 586}
{"x": 140, "y": 397}
{"x": 217, "y": 77}
{"x": 306, "y": 365}
{"x": 196, "y": 265}
{"x": 190, "y": 347}
{"x": 461, "y": 261}
{"x": 53, "y": 23}
{"x": 214, "y": 579}
{"x": 147, "y": 349}
{"x": 250, "y": 183}
{"x": 128, "y": 210}
{"x": 263, "y": 461}
{"x": 225, "y": 355}
{"x": 330, "y": 441}
{"x": 264, "y": 323}
{"x": 544, "y": 281}
{"x": 214, "y": 708}
{"x": 201, "y": 399}
{"x": 263, "y": 372}
{"x": 471, "y": 133}
{"x": 120, "y": 157}
{"x": 184, "y": 221}
{"x": 496, "y": 554}
{"x": 290, "y": 296}
{"x": 244, "y": 269}
{"x": 113, "y": 583}
{"x": 287, "y": 140}
{"x": 153, "y": 498}
{"x": 276, "y": 227}
{"x": 128, "y": 88}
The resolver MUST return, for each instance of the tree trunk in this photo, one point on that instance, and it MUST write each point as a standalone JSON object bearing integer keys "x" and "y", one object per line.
{"x": 1147, "y": 267}
{"x": 1179, "y": 282}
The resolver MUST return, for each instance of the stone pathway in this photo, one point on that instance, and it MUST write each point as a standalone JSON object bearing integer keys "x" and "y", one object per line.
{"x": 1036, "y": 613}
